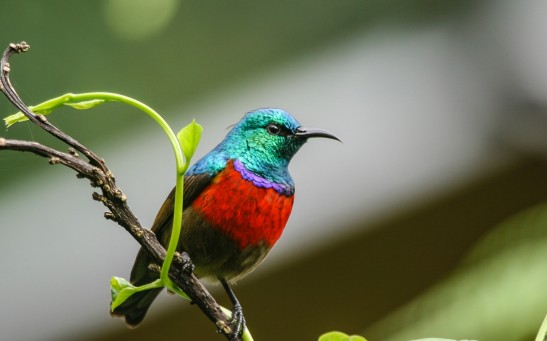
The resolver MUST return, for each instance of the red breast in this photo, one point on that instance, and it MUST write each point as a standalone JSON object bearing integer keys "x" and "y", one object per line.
{"x": 249, "y": 214}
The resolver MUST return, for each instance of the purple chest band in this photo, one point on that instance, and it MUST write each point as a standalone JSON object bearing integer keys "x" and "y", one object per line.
{"x": 259, "y": 181}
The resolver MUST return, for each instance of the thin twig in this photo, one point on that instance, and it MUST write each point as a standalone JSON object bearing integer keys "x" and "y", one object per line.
{"x": 111, "y": 196}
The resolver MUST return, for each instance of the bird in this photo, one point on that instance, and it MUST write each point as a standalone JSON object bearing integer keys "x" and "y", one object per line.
{"x": 237, "y": 200}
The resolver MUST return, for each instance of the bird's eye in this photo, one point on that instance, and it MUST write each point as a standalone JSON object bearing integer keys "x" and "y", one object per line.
{"x": 273, "y": 129}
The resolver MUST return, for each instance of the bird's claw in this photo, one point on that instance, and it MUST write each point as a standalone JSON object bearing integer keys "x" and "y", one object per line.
{"x": 238, "y": 321}
{"x": 187, "y": 265}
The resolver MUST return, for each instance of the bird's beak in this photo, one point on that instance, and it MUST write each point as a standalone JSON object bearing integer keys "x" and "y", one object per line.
{"x": 307, "y": 133}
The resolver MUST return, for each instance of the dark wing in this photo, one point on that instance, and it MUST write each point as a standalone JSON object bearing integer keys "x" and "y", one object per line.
{"x": 135, "y": 308}
{"x": 193, "y": 186}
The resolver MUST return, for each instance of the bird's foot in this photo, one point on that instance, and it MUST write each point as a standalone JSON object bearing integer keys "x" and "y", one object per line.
{"x": 238, "y": 321}
{"x": 187, "y": 265}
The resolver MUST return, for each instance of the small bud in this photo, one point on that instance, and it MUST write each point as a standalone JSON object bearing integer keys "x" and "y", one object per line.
{"x": 72, "y": 152}
{"x": 121, "y": 197}
{"x": 97, "y": 197}
{"x": 54, "y": 160}
{"x": 154, "y": 267}
{"x": 42, "y": 118}
{"x": 23, "y": 46}
{"x": 226, "y": 329}
{"x": 138, "y": 232}
{"x": 2, "y": 142}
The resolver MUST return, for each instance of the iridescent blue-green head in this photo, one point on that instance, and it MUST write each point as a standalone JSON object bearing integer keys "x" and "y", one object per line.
{"x": 264, "y": 141}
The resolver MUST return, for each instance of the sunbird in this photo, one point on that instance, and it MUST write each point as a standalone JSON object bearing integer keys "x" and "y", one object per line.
{"x": 237, "y": 200}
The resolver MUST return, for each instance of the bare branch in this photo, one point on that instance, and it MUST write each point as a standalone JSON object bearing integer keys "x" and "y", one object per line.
{"x": 111, "y": 196}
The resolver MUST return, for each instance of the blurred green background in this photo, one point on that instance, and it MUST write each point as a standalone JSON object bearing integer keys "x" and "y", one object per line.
{"x": 428, "y": 221}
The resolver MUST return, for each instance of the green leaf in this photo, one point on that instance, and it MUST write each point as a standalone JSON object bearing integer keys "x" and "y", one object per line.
{"x": 15, "y": 118}
{"x": 120, "y": 290}
{"x": 356, "y": 338}
{"x": 47, "y": 107}
{"x": 339, "y": 336}
{"x": 20, "y": 117}
{"x": 86, "y": 104}
{"x": 43, "y": 108}
{"x": 117, "y": 284}
{"x": 189, "y": 137}
{"x": 542, "y": 334}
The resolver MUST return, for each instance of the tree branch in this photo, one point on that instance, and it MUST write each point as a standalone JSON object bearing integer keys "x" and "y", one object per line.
{"x": 100, "y": 176}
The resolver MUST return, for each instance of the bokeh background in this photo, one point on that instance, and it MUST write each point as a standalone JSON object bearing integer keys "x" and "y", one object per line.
{"x": 429, "y": 220}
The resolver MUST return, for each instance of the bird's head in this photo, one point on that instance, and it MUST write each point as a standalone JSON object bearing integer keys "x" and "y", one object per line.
{"x": 265, "y": 140}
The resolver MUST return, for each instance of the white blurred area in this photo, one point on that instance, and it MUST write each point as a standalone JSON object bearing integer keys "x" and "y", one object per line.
{"x": 419, "y": 110}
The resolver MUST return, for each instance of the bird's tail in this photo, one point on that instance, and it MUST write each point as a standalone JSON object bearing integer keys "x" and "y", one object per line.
{"x": 135, "y": 307}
